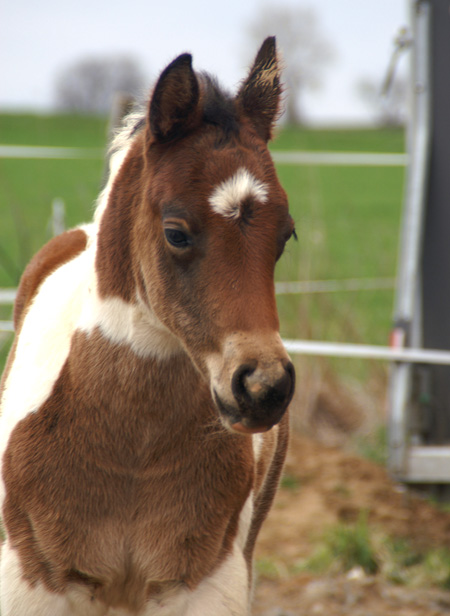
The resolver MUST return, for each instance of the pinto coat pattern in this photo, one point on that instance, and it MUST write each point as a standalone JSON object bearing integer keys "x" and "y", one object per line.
{"x": 144, "y": 422}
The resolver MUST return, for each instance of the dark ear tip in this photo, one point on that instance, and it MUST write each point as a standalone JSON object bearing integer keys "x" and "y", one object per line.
{"x": 185, "y": 59}
{"x": 174, "y": 100}
{"x": 270, "y": 41}
{"x": 180, "y": 62}
{"x": 269, "y": 45}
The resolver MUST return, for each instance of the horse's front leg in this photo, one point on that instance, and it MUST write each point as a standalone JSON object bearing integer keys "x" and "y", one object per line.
{"x": 226, "y": 592}
{"x": 19, "y": 598}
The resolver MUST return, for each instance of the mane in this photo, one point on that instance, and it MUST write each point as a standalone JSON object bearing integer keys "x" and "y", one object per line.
{"x": 219, "y": 108}
{"x": 130, "y": 126}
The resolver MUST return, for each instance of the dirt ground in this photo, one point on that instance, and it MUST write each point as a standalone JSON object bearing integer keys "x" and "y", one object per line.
{"x": 331, "y": 486}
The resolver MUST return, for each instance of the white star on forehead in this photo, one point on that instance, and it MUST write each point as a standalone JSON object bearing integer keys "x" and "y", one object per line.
{"x": 228, "y": 197}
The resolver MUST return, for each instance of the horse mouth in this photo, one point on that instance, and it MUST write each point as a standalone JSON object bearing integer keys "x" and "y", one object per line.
{"x": 242, "y": 421}
{"x": 241, "y": 428}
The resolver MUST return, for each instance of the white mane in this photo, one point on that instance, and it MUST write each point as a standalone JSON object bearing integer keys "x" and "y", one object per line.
{"x": 117, "y": 151}
{"x": 130, "y": 125}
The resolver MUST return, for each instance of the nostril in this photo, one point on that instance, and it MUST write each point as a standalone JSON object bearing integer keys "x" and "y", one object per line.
{"x": 252, "y": 386}
{"x": 287, "y": 383}
{"x": 274, "y": 389}
{"x": 290, "y": 372}
{"x": 239, "y": 382}
{"x": 262, "y": 392}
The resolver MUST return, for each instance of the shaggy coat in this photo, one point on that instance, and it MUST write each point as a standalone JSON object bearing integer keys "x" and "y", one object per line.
{"x": 143, "y": 425}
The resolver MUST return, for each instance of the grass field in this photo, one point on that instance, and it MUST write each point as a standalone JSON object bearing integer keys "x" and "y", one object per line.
{"x": 348, "y": 227}
{"x": 347, "y": 218}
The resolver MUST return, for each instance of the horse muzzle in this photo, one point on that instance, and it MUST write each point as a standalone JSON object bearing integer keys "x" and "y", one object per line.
{"x": 260, "y": 395}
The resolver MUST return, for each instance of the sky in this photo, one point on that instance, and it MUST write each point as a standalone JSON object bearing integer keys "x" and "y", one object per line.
{"x": 39, "y": 39}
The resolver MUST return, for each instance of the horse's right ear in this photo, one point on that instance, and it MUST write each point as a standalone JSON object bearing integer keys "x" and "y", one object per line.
{"x": 260, "y": 93}
{"x": 173, "y": 106}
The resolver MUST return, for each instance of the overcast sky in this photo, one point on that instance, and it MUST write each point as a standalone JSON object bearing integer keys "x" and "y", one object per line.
{"x": 39, "y": 38}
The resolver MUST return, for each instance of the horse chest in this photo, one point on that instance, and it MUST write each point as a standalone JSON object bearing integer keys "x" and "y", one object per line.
{"x": 92, "y": 485}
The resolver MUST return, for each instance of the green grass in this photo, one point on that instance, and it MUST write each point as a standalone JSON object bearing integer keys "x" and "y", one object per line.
{"x": 373, "y": 446}
{"x": 352, "y": 140}
{"x": 347, "y": 218}
{"x": 28, "y": 186}
{"x": 64, "y": 130}
{"x": 290, "y": 482}
{"x": 347, "y": 221}
{"x": 345, "y": 547}
{"x": 27, "y": 189}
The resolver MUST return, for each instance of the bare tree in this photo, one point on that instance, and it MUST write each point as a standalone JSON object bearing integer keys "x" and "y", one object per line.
{"x": 89, "y": 85}
{"x": 305, "y": 48}
{"x": 388, "y": 107}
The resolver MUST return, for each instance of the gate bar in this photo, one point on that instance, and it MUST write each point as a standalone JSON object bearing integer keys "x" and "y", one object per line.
{"x": 366, "y": 351}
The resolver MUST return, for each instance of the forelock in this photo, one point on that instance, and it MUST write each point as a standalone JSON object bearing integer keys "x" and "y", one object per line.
{"x": 219, "y": 108}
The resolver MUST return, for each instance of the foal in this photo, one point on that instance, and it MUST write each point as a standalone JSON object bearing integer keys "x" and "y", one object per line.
{"x": 143, "y": 424}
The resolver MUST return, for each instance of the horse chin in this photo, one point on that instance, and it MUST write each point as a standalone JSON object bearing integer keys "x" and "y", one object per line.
{"x": 241, "y": 428}
{"x": 239, "y": 421}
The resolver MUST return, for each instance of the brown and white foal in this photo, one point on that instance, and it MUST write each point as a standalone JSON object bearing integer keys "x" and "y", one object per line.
{"x": 143, "y": 424}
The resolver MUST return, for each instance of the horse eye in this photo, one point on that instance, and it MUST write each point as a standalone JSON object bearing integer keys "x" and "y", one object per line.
{"x": 177, "y": 238}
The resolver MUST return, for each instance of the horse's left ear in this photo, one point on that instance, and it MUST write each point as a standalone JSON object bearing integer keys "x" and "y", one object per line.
{"x": 173, "y": 107}
{"x": 260, "y": 94}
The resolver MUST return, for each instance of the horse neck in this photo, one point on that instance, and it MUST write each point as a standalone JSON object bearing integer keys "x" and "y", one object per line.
{"x": 114, "y": 264}
{"x": 113, "y": 301}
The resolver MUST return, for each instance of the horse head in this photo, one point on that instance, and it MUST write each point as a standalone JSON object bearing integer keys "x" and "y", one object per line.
{"x": 205, "y": 222}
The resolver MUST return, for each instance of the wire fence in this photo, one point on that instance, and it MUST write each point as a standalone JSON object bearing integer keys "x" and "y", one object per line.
{"x": 7, "y": 296}
{"x": 304, "y": 347}
{"x": 318, "y": 348}
{"x": 353, "y": 159}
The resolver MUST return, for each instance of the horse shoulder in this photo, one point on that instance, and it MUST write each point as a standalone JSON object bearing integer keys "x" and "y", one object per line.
{"x": 56, "y": 252}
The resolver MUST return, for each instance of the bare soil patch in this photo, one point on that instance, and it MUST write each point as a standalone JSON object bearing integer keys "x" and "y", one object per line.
{"x": 330, "y": 486}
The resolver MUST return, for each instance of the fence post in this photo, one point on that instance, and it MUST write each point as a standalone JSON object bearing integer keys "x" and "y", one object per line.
{"x": 58, "y": 216}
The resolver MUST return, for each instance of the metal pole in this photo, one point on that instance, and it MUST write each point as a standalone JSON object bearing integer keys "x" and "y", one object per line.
{"x": 367, "y": 351}
{"x": 407, "y": 328}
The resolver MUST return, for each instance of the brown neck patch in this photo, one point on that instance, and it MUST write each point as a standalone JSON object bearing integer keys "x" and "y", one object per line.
{"x": 114, "y": 249}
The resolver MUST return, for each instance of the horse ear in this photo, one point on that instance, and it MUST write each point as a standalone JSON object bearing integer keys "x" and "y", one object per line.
{"x": 174, "y": 102}
{"x": 260, "y": 94}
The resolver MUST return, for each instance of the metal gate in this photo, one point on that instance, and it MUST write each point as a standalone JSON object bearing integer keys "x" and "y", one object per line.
{"x": 419, "y": 419}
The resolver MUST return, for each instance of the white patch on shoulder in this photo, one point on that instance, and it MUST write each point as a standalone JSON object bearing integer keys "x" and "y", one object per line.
{"x": 228, "y": 197}
{"x": 44, "y": 342}
{"x": 125, "y": 323}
